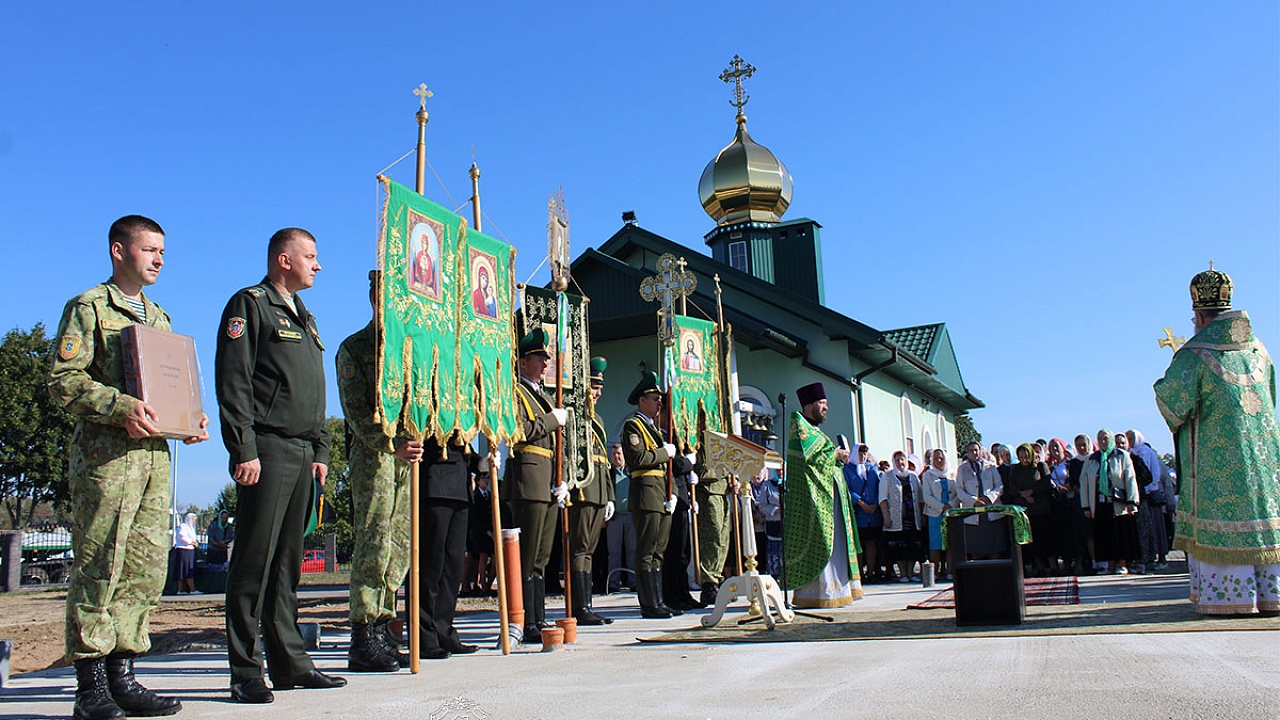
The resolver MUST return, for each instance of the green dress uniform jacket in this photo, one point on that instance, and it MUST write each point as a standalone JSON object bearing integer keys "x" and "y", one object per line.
{"x": 119, "y": 485}
{"x": 271, "y": 388}
{"x": 379, "y": 486}
{"x": 586, "y": 509}
{"x": 647, "y": 461}
{"x": 530, "y": 475}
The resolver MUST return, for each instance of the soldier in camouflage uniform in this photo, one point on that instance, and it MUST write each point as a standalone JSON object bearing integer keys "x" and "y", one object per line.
{"x": 591, "y": 507}
{"x": 378, "y": 471}
{"x": 714, "y": 497}
{"x": 119, "y": 478}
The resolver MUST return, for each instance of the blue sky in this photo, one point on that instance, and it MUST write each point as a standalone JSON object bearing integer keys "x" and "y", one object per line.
{"x": 1043, "y": 177}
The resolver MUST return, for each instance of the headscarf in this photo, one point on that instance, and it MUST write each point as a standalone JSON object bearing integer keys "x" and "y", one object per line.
{"x": 1031, "y": 452}
{"x": 1104, "y": 477}
{"x": 1059, "y": 472}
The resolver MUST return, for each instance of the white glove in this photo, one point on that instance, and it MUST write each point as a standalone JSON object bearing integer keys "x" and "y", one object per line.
{"x": 561, "y": 415}
{"x": 561, "y": 494}
{"x": 669, "y": 506}
{"x": 608, "y": 511}
{"x": 694, "y": 506}
{"x": 671, "y": 449}
{"x": 693, "y": 478}
{"x": 692, "y": 458}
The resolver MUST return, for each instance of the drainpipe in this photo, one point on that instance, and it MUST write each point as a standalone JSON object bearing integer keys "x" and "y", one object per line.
{"x": 857, "y": 389}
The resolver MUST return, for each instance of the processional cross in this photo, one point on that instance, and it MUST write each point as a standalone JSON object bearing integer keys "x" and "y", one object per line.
{"x": 1170, "y": 341}
{"x": 423, "y": 93}
{"x": 671, "y": 283}
{"x": 558, "y": 241}
{"x": 738, "y": 70}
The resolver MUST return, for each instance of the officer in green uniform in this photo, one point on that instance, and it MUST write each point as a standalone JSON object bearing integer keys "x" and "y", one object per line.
{"x": 378, "y": 471}
{"x": 714, "y": 497}
{"x": 647, "y": 455}
{"x": 270, "y": 384}
{"x": 119, "y": 481}
{"x": 535, "y": 492}
{"x": 591, "y": 506}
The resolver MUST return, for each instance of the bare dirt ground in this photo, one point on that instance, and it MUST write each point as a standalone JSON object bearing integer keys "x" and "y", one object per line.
{"x": 33, "y": 621}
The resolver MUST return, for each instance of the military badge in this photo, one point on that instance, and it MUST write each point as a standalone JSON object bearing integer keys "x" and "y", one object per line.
{"x": 256, "y": 292}
{"x": 635, "y": 439}
{"x": 235, "y": 327}
{"x": 316, "y": 334}
{"x": 284, "y": 321}
{"x": 69, "y": 347}
{"x": 348, "y": 371}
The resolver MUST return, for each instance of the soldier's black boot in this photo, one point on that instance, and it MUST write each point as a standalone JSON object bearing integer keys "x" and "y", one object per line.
{"x": 532, "y": 631}
{"x": 130, "y": 695}
{"x": 93, "y": 693}
{"x": 657, "y": 594}
{"x": 389, "y": 637}
{"x": 648, "y": 581}
{"x": 369, "y": 651}
{"x": 586, "y": 579}
{"x": 581, "y": 590}
{"x": 540, "y": 599}
{"x": 709, "y": 592}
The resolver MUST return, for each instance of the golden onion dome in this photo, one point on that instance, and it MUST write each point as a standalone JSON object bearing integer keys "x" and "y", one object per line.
{"x": 745, "y": 182}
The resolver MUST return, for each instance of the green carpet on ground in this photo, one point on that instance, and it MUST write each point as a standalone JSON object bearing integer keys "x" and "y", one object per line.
{"x": 1158, "y": 616}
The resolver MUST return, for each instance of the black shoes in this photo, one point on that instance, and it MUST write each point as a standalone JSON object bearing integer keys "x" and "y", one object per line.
{"x": 457, "y": 647}
{"x": 433, "y": 653}
{"x": 93, "y": 694}
{"x": 370, "y": 651}
{"x": 131, "y": 697}
{"x": 709, "y": 593}
{"x": 253, "y": 691}
{"x": 312, "y": 680}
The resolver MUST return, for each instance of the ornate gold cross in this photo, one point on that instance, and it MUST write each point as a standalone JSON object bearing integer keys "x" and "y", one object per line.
{"x": 737, "y": 71}
{"x": 671, "y": 283}
{"x": 423, "y": 93}
{"x": 1170, "y": 341}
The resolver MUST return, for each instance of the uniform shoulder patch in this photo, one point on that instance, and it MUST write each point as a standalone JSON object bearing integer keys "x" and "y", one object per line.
{"x": 69, "y": 346}
{"x": 633, "y": 439}
{"x": 235, "y": 327}
{"x": 348, "y": 370}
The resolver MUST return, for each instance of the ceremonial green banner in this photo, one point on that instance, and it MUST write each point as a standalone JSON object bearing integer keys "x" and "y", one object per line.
{"x": 694, "y": 369}
{"x": 445, "y": 324}
{"x": 487, "y": 340}
{"x": 540, "y": 308}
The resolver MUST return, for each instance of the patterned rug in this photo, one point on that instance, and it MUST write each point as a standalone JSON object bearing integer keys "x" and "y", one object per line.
{"x": 1158, "y": 616}
{"x": 1038, "y": 591}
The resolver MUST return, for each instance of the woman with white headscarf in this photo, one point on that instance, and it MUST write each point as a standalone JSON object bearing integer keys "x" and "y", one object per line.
{"x": 938, "y": 494}
{"x": 185, "y": 542}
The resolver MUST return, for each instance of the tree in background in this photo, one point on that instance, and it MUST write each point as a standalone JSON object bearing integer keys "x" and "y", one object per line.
{"x": 966, "y": 432}
{"x": 337, "y": 494}
{"x": 226, "y": 499}
{"x": 34, "y": 432}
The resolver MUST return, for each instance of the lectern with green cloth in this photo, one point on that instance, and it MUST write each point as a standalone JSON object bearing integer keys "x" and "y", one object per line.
{"x": 986, "y": 560}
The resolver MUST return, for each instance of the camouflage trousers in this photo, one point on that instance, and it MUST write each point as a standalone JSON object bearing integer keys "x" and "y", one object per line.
{"x": 121, "y": 536}
{"x": 380, "y": 521}
{"x": 714, "y": 523}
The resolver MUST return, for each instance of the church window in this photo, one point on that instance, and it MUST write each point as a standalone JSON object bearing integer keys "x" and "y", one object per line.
{"x": 738, "y": 256}
{"x": 942, "y": 431}
{"x": 908, "y": 436}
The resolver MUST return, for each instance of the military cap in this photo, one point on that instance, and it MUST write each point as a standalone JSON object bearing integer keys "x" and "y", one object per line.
{"x": 598, "y": 365}
{"x": 648, "y": 384}
{"x": 1211, "y": 290}
{"x": 811, "y": 393}
{"x": 535, "y": 343}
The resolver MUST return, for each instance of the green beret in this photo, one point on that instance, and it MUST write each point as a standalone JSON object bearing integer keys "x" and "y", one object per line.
{"x": 598, "y": 365}
{"x": 535, "y": 343}
{"x": 648, "y": 384}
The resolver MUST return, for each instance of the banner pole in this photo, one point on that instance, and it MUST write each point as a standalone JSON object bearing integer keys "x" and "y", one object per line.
{"x": 499, "y": 559}
{"x": 412, "y": 599}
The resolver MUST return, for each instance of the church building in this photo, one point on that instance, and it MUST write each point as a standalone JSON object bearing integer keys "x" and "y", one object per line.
{"x": 892, "y": 389}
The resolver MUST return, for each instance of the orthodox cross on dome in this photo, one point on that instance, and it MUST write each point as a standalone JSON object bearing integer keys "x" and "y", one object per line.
{"x": 671, "y": 283}
{"x": 423, "y": 93}
{"x": 737, "y": 71}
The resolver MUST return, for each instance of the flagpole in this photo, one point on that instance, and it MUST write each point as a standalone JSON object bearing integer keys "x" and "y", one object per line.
{"x": 413, "y": 600}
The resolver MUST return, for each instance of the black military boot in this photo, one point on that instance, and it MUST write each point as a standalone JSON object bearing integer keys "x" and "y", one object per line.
{"x": 650, "y": 607}
{"x": 540, "y": 600}
{"x": 383, "y": 627}
{"x": 369, "y": 651}
{"x": 587, "y": 597}
{"x": 93, "y": 692}
{"x": 655, "y": 578}
{"x": 581, "y": 591}
{"x": 532, "y": 631}
{"x": 130, "y": 695}
{"x": 709, "y": 592}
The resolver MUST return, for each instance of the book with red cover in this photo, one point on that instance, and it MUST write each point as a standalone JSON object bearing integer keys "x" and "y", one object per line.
{"x": 161, "y": 369}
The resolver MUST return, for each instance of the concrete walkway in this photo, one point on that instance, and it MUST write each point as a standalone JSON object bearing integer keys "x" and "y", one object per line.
{"x": 608, "y": 674}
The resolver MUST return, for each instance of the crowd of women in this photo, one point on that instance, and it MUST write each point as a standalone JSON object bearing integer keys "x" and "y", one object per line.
{"x": 1103, "y": 504}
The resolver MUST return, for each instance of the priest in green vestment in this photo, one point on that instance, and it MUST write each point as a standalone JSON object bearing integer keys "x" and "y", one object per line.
{"x": 819, "y": 541}
{"x": 1219, "y": 398}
